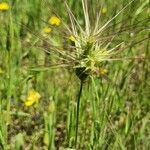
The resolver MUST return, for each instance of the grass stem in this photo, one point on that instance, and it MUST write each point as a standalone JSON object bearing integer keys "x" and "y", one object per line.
{"x": 78, "y": 108}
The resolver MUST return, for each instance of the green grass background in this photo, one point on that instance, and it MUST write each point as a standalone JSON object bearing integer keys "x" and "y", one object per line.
{"x": 113, "y": 114}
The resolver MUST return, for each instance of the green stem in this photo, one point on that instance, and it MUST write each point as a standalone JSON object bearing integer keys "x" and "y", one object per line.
{"x": 78, "y": 108}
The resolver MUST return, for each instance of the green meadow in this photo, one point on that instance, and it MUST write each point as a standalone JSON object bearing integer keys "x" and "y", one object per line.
{"x": 75, "y": 74}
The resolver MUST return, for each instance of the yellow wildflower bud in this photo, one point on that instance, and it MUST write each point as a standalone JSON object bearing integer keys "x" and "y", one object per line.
{"x": 33, "y": 97}
{"x": 46, "y": 139}
{"x": 54, "y": 21}
{"x": 72, "y": 38}
{"x": 47, "y": 30}
{"x": 4, "y": 6}
{"x": 104, "y": 10}
{"x": 51, "y": 107}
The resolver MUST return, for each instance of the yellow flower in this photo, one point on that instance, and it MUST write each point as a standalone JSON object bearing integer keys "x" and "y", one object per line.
{"x": 33, "y": 97}
{"x": 104, "y": 10}
{"x": 72, "y": 38}
{"x": 103, "y": 71}
{"x": 54, "y": 21}
{"x": 47, "y": 30}
{"x": 4, "y": 6}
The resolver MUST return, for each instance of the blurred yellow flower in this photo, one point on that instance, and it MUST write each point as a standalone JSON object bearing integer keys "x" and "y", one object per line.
{"x": 32, "y": 98}
{"x": 54, "y": 21}
{"x": 4, "y": 6}
{"x": 72, "y": 38}
{"x": 104, "y": 10}
{"x": 103, "y": 71}
{"x": 47, "y": 30}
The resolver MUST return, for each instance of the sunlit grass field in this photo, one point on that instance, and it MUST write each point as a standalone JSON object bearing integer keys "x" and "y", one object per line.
{"x": 39, "y": 91}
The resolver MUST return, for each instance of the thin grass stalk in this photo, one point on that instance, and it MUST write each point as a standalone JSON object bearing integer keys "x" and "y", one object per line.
{"x": 78, "y": 109}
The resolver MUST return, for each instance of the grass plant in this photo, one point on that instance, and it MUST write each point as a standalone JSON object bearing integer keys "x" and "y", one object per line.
{"x": 74, "y": 74}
